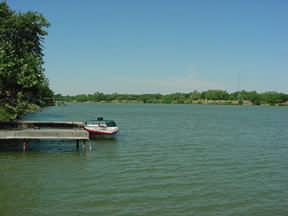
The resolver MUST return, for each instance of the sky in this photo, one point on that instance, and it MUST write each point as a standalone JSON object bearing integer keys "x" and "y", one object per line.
{"x": 163, "y": 46}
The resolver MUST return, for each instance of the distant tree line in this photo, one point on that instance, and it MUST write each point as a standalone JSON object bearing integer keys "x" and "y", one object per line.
{"x": 23, "y": 85}
{"x": 195, "y": 97}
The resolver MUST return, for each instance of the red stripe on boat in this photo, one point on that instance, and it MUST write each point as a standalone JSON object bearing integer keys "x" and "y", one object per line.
{"x": 100, "y": 132}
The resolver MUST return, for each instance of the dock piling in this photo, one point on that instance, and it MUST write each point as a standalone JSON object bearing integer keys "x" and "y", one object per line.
{"x": 77, "y": 144}
{"x": 24, "y": 146}
{"x": 84, "y": 146}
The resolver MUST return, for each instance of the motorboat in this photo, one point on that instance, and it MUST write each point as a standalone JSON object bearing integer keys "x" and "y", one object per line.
{"x": 101, "y": 127}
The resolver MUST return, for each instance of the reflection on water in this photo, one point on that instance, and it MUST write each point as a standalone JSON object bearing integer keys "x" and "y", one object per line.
{"x": 102, "y": 145}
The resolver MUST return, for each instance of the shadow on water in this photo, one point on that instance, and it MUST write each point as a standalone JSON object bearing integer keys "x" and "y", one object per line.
{"x": 95, "y": 145}
{"x": 10, "y": 145}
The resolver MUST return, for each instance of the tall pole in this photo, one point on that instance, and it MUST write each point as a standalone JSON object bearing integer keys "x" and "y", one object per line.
{"x": 238, "y": 86}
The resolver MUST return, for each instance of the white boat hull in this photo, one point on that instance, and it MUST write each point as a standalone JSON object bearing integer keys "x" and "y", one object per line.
{"x": 101, "y": 130}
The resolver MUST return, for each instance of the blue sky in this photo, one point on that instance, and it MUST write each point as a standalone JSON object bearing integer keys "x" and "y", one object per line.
{"x": 164, "y": 46}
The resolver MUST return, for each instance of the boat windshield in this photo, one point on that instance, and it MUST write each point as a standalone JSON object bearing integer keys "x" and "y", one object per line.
{"x": 110, "y": 123}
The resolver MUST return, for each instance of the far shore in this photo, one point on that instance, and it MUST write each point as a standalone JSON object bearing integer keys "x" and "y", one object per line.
{"x": 220, "y": 97}
{"x": 207, "y": 102}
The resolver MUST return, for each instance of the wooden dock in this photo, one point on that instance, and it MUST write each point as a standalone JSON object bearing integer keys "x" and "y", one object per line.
{"x": 43, "y": 130}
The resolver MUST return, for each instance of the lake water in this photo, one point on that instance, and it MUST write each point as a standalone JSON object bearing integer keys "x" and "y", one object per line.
{"x": 167, "y": 160}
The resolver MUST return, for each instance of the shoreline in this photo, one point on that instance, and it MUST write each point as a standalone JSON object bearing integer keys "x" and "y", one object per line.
{"x": 5, "y": 115}
{"x": 233, "y": 103}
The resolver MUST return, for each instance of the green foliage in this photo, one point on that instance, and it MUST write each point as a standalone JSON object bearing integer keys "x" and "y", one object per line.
{"x": 22, "y": 79}
{"x": 215, "y": 95}
{"x": 4, "y": 115}
{"x": 240, "y": 101}
{"x": 273, "y": 98}
{"x": 195, "y": 95}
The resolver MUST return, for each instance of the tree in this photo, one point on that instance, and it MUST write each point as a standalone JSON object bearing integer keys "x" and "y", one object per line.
{"x": 195, "y": 95}
{"x": 215, "y": 95}
{"x": 22, "y": 78}
{"x": 254, "y": 97}
{"x": 273, "y": 98}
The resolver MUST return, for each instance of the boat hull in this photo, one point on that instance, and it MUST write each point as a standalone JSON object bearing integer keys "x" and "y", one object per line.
{"x": 101, "y": 132}
{"x": 98, "y": 132}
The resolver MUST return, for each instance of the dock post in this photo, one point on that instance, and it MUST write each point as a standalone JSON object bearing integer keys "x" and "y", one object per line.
{"x": 24, "y": 146}
{"x": 77, "y": 144}
{"x": 84, "y": 146}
